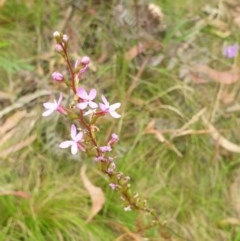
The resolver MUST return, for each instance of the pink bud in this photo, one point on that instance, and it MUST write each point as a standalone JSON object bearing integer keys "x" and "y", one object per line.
{"x": 85, "y": 60}
{"x": 99, "y": 158}
{"x": 113, "y": 186}
{"x": 65, "y": 38}
{"x": 58, "y": 48}
{"x": 113, "y": 140}
{"x": 105, "y": 148}
{"x": 57, "y": 77}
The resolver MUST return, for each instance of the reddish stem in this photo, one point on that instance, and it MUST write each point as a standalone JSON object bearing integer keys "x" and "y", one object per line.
{"x": 70, "y": 68}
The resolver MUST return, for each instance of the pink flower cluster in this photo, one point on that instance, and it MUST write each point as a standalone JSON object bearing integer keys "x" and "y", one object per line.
{"x": 85, "y": 103}
{"x": 84, "y": 112}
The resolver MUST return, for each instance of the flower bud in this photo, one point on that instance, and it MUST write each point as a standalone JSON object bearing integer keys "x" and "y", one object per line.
{"x": 58, "y": 77}
{"x": 105, "y": 148}
{"x": 58, "y": 48}
{"x": 65, "y": 38}
{"x": 85, "y": 60}
{"x": 58, "y": 36}
{"x": 113, "y": 140}
{"x": 113, "y": 186}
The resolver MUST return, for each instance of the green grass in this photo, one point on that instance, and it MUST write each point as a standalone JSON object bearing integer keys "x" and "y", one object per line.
{"x": 190, "y": 193}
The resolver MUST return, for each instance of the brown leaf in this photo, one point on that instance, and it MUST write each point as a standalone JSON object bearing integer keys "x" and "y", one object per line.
{"x": 224, "y": 77}
{"x": 7, "y": 136}
{"x": 6, "y": 95}
{"x": 134, "y": 51}
{"x": 2, "y": 3}
{"x": 12, "y": 121}
{"x": 15, "y": 193}
{"x": 96, "y": 195}
{"x": 222, "y": 141}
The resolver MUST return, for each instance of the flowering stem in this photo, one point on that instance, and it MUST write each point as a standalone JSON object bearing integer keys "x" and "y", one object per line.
{"x": 70, "y": 68}
{"x": 106, "y": 163}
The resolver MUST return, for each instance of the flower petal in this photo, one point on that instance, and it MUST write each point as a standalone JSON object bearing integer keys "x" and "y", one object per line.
{"x": 103, "y": 107}
{"x": 92, "y": 94}
{"x": 114, "y": 106}
{"x": 93, "y": 104}
{"x": 105, "y": 100}
{"x": 48, "y": 112}
{"x": 82, "y": 93}
{"x": 74, "y": 148}
{"x": 114, "y": 114}
{"x": 48, "y": 105}
{"x": 78, "y": 137}
{"x": 66, "y": 144}
{"x": 59, "y": 99}
{"x": 82, "y": 105}
{"x": 73, "y": 131}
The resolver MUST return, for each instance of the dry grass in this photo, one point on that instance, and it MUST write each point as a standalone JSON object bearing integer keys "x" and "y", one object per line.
{"x": 184, "y": 171}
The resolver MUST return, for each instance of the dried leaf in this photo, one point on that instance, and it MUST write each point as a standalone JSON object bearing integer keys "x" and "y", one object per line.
{"x": 158, "y": 134}
{"x": 6, "y": 96}
{"x": 222, "y": 141}
{"x": 15, "y": 193}
{"x": 96, "y": 195}
{"x": 7, "y": 136}
{"x": 134, "y": 51}
{"x": 12, "y": 121}
{"x": 224, "y": 77}
{"x": 2, "y": 3}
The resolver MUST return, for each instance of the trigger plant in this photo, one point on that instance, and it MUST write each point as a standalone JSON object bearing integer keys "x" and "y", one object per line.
{"x": 86, "y": 108}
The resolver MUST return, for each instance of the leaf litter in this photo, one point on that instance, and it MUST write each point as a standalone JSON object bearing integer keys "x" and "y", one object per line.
{"x": 96, "y": 194}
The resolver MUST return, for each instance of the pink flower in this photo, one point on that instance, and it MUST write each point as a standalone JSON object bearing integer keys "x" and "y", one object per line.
{"x": 113, "y": 186}
{"x": 87, "y": 99}
{"x": 99, "y": 158}
{"x": 55, "y": 106}
{"x": 58, "y": 48}
{"x": 105, "y": 148}
{"x": 107, "y": 108}
{"x": 75, "y": 143}
{"x": 231, "y": 51}
{"x": 113, "y": 140}
{"x": 57, "y": 76}
{"x": 111, "y": 168}
{"x": 83, "y": 63}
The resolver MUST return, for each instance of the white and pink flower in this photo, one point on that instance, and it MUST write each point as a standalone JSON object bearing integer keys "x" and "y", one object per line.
{"x": 75, "y": 143}
{"x": 107, "y": 108}
{"x": 87, "y": 99}
{"x": 54, "y": 106}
